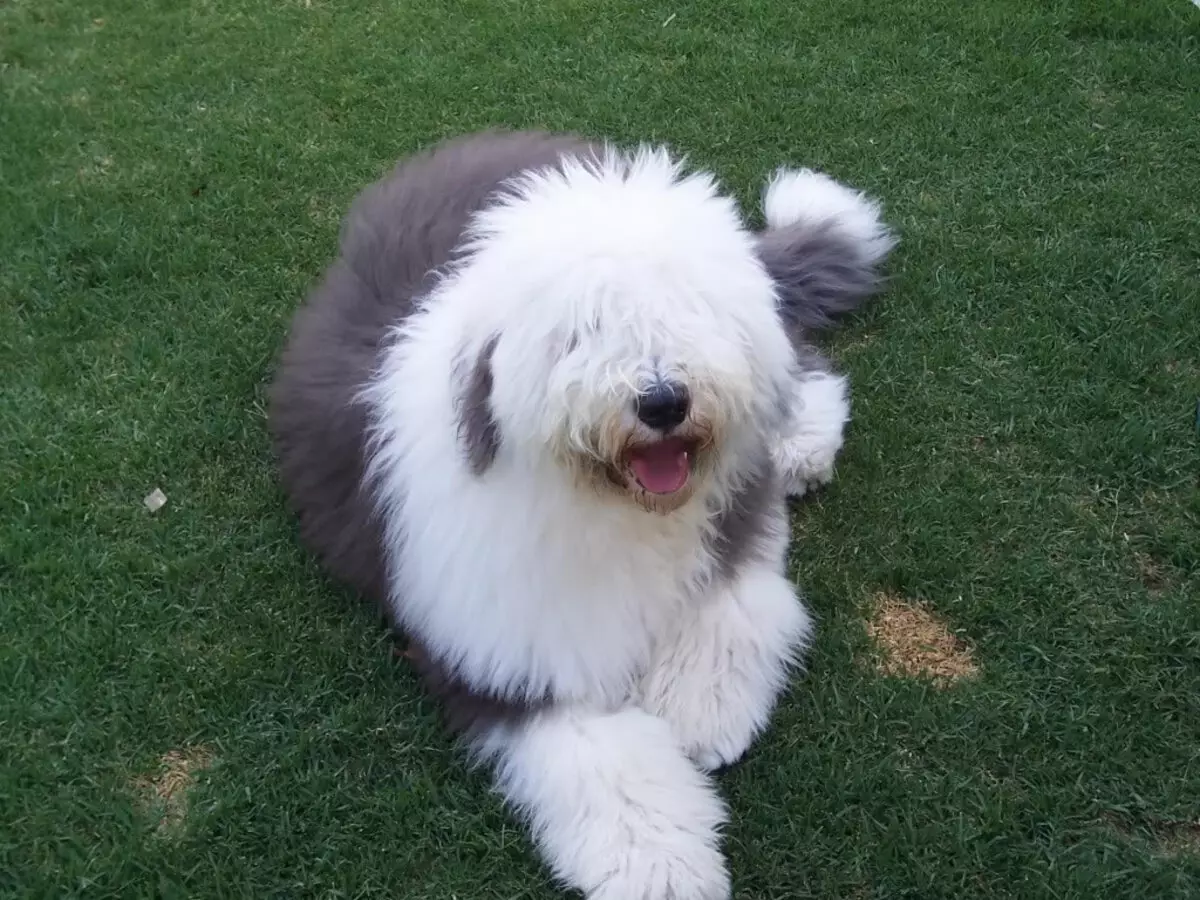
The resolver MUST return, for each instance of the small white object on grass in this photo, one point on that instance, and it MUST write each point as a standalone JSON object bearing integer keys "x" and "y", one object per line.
{"x": 155, "y": 500}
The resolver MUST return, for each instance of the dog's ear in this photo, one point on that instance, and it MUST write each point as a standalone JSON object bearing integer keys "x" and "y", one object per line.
{"x": 824, "y": 246}
{"x": 477, "y": 428}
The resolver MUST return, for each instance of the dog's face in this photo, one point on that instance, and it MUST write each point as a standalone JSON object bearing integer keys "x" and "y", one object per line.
{"x": 633, "y": 336}
{"x": 649, "y": 418}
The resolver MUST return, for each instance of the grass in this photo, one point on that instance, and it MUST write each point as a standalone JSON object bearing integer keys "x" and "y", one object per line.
{"x": 1024, "y": 459}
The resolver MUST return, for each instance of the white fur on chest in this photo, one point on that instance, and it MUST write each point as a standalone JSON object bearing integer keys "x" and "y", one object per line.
{"x": 522, "y": 581}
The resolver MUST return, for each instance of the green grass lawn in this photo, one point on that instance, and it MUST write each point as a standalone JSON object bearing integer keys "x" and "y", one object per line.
{"x": 1024, "y": 457}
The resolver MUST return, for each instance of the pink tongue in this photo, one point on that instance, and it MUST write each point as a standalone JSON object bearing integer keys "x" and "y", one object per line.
{"x": 661, "y": 468}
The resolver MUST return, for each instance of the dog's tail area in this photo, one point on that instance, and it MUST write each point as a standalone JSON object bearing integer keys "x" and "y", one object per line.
{"x": 824, "y": 245}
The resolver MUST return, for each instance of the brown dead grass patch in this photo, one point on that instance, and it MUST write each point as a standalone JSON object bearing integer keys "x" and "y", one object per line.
{"x": 1164, "y": 837}
{"x": 1182, "y": 368}
{"x": 1180, "y": 839}
{"x": 164, "y": 794}
{"x": 1154, "y": 574}
{"x": 914, "y": 643}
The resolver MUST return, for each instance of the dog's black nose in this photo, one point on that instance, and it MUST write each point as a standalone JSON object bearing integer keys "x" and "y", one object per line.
{"x": 663, "y": 406}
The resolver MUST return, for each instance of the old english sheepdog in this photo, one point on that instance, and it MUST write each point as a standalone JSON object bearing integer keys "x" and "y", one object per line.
{"x": 545, "y": 408}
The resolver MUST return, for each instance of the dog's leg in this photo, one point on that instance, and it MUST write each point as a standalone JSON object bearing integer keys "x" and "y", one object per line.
{"x": 617, "y": 810}
{"x": 813, "y": 435}
{"x": 717, "y": 682}
{"x": 825, "y": 245}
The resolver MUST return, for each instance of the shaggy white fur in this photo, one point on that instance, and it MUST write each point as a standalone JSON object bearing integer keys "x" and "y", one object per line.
{"x": 802, "y": 195}
{"x": 716, "y": 677}
{"x": 658, "y": 621}
{"x": 808, "y": 445}
{"x": 616, "y": 808}
{"x": 590, "y": 278}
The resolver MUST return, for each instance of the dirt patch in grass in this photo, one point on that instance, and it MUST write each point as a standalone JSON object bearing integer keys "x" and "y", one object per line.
{"x": 1165, "y": 837}
{"x": 1182, "y": 368}
{"x": 164, "y": 794}
{"x": 914, "y": 643}
{"x": 1178, "y": 838}
{"x": 1153, "y": 573}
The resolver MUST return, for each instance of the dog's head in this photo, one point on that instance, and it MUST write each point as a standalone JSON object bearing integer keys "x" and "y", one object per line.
{"x": 623, "y": 327}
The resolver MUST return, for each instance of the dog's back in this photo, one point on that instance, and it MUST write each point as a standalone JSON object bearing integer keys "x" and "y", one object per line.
{"x": 398, "y": 233}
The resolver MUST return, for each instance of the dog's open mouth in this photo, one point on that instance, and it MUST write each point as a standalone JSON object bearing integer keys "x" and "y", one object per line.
{"x": 664, "y": 466}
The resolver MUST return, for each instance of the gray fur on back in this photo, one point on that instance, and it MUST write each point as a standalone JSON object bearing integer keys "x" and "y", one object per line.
{"x": 398, "y": 232}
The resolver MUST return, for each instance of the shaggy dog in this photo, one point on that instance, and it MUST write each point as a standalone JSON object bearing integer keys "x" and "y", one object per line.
{"x": 546, "y": 408}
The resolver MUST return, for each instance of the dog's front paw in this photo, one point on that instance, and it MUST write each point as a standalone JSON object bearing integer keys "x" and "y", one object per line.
{"x": 713, "y": 708}
{"x": 686, "y": 870}
{"x": 716, "y": 682}
{"x": 805, "y": 464}
{"x": 718, "y": 755}
{"x": 806, "y": 450}
{"x": 715, "y": 722}
{"x": 617, "y": 810}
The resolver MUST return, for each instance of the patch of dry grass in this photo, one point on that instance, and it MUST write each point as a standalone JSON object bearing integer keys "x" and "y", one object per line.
{"x": 1166, "y": 837}
{"x": 165, "y": 793}
{"x": 914, "y": 643}
{"x": 1152, "y": 572}
{"x": 1180, "y": 838}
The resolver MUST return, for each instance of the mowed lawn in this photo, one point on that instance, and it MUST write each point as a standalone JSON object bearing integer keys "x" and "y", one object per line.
{"x": 188, "y": 708}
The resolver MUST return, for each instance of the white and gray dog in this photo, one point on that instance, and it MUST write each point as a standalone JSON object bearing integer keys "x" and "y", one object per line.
{"x": 546, "y": 408}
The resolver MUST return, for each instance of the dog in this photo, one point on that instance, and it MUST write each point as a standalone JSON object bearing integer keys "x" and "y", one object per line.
{"x": 546, "y": 408}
